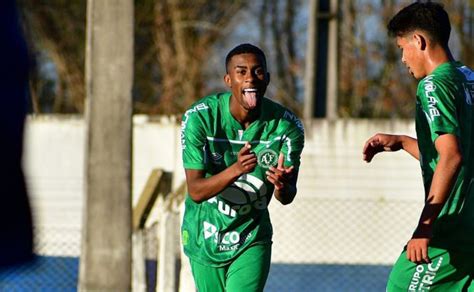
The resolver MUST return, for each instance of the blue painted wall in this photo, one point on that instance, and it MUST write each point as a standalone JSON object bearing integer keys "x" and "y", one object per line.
{"x": 42, "y": 274}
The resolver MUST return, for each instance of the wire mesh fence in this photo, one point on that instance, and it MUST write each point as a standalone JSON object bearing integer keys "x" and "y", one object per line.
{"x": 343, "y": 232}
{"x": 319, "y": 245}
{"x": 323, "y": 244}
{"x": 55, "y": 266}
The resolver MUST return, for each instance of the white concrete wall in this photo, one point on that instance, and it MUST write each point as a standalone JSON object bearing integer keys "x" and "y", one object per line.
{"x": 54, "y": 169}
{"x": 53, "y": 165}
{"x": 346, "y": 211}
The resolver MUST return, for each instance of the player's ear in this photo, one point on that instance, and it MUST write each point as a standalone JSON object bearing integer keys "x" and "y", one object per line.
{"x": 268, "y": 78}
{"x": 227, "y": 80}
{"x": 420, "y": 41}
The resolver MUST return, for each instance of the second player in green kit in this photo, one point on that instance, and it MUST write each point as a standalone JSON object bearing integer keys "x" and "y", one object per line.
{"x": 439, "y": 256}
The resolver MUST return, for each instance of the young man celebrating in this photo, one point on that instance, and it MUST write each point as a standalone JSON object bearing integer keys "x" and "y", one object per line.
{"x": 239, "y": 149}
{"x": 441, "y": 251}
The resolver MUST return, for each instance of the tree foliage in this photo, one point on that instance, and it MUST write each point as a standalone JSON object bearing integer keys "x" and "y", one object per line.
{"x": 173, "y": 40}
{"x": 278, "y": 38}
{"x": 176, "y": 41}
{"x": 373, "y": 81}
{"x": 184, "y": 35}
{"x": 56, "y": 29}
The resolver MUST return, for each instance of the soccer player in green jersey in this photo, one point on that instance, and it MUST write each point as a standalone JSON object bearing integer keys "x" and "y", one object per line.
{"x": 239, "y": 149}
{"x": 440, "y": 254}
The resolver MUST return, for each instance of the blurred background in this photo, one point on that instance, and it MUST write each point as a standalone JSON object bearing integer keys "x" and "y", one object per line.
{"x": 331, "y": 62}
{"x": 180, "y": 48}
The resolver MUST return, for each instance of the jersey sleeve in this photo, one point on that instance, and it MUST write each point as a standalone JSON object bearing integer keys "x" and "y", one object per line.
{"x": 193, "y": 140}
{"x": 293, "y": 142}
{"x": 438, "y": 103}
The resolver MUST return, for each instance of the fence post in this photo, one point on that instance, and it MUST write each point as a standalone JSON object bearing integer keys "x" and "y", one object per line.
{"x": 138, "y": 262}
{"x": 168, "y": 257}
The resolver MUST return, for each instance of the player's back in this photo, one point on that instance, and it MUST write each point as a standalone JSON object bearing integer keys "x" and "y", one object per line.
{"x": 445, "y": 104}
{"x": 465, "y": 111}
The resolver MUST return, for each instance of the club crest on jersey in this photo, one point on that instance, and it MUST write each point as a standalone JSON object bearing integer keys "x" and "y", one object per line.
{"x": 267, "y": 158}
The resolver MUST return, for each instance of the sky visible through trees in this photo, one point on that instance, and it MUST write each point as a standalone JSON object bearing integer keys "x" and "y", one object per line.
{"x": 180, "y": 51}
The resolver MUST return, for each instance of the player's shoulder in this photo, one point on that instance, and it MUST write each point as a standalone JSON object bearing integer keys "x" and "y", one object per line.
{"x": 435, "y": 81}
{"x": 446, "y": 79}
{"x": 449, "y": 72}
{"x": 278, "y": 112}
{"x": 205, "y": 105}
{"x": 273, "y": 108}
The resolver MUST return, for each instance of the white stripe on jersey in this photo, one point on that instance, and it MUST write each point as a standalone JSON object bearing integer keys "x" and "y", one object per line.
{"x": 213, "y": 139}
{"x": 268, "y": 143}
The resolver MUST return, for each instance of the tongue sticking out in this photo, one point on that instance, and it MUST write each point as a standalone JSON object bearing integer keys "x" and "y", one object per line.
{"x": 250, "y": 98}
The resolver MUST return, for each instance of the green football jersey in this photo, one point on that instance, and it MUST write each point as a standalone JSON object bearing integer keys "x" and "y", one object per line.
{"x": 445, "y": 106}
{"x": 217, "y": 230}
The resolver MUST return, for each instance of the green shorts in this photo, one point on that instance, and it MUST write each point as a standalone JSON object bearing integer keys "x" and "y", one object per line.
{"x": 448, "y": 271}
{"x": 248, "y": 272}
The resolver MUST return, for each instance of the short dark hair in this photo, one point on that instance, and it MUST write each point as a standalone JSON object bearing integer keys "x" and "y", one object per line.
{"x": 423, "y": 15}
{"x": 245, "y": 49}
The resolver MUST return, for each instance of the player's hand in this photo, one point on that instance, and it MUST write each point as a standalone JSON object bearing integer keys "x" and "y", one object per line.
{"x": 246, "y": 159}
{"x": 379, "y": 143}
{"x": 281, "y": 175}
{"x": 417, "y": 247}
{"x": 417, "y": 250}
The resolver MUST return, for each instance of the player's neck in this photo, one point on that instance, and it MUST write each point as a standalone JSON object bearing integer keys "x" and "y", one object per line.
{"x": 243, "y": 116}
{"x": 437, "y": 57}
{"x": 247, "y": 119}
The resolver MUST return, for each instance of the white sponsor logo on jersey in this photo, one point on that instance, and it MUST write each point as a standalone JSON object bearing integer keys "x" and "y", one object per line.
{"x": 209, "y": 230}
{"x": 430, "y": 87}
{"x": 184, "y": 122}
{"x": 423, "y": 277}
{"x": 242, "y": 196}
{"x": 289, "y": 116}
{"x": 229, "y": 240}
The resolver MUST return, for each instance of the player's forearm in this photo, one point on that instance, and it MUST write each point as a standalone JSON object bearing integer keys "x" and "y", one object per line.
{"x": 443, "y": 180}
{"x": 202, "y": 189}
{"x": 286, "y": 195}
{"x": 410, "y": 145}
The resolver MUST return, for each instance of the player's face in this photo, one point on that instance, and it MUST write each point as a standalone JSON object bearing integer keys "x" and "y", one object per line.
{"x": 247, "y": 78}
{"x": 412, "y": 55}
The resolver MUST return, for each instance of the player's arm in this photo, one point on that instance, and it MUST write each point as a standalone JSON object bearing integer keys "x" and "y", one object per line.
{"x": 284, "y": 179}
{"x": 201, "y": 188}
{"x": 450, "y": 160}
{"x": 286, "y": 194}
{"x": 385, "y": 142}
